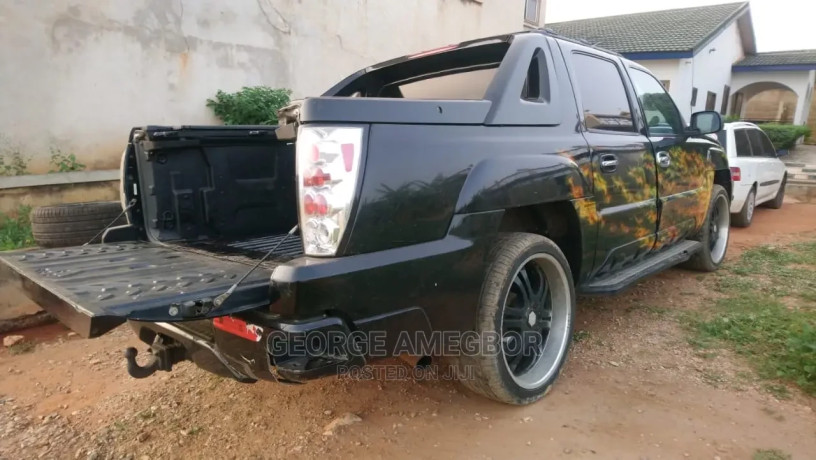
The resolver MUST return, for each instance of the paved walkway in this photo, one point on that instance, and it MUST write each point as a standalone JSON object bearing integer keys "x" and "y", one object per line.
{"x": 801, "y": 163}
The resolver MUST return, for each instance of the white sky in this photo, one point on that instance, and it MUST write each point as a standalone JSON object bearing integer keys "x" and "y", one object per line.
{"x": 778, "y": 24}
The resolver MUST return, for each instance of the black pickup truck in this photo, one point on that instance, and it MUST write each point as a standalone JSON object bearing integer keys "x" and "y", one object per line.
{"x": 472, "y": 190}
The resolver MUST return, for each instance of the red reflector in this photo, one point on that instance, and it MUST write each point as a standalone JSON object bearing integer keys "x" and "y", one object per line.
{"x": 322, "y": 207}
{"x": 309, "y": 205}
{"x": 316, "y": 179}
{"x": 315, "y": 154}
{"x": 238, "y": 327}
{"x": 348, "y": 155}
{"x": 736, "y": 174}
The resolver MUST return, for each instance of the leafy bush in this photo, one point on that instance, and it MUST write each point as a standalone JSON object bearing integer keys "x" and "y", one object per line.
{"x": 784, "y": 136}
{"x": 730, "y": 118}
{"x": 64, "y": 162}
{"x": 255, "y": 105}
{"x": 15, "y": 232}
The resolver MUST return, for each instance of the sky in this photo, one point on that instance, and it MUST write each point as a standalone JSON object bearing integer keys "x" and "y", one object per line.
{"x": 778, "y": 24}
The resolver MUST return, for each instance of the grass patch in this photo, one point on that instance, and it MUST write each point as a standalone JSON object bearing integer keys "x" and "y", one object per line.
{"x": 15, "y": 232}
{"x": 770, "y": 454}
{"x": 778, "y": 340}
{"x": 21, "y": 348}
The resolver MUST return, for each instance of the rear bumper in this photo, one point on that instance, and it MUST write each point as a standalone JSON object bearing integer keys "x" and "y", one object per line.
{"x": 278, "y": 354}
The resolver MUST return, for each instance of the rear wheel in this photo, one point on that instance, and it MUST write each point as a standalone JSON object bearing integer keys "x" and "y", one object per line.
{"x": 776, "y": 203}
{"x": 746, "y": 214}
{"x": 527, "y": 304}
{"x": 714, "y": 233}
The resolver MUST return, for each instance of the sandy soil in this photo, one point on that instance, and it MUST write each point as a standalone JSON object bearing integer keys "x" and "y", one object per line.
{"x": 633, "y": 388}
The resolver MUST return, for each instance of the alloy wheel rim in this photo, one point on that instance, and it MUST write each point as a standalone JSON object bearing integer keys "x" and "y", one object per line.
{"x": 535, "y": 321}
{"x": 719, "y": 227}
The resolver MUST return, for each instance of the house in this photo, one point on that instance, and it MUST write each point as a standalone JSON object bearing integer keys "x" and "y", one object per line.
{"x": 706, "y": 58}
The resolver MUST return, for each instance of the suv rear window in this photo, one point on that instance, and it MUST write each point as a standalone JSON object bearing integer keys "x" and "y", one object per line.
{"x": 462, "y": 85}
{"x": 741, "y": 143}
{"x": 463, "y": 72}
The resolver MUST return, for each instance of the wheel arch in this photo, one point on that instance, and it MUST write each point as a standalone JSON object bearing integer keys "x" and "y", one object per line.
{"x": 557, "y": 221}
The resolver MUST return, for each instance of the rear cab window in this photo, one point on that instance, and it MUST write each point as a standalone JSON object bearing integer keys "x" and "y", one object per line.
{"x": 453, "y": 73}
{"x": 605, "y": 106}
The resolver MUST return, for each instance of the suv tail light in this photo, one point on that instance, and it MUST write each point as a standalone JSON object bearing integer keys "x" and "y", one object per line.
{"x": 328, "y": 160}
{"x": 736, "y": 174}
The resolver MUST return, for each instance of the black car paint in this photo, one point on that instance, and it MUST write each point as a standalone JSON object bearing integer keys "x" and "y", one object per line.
{"x": 438, "y": 179}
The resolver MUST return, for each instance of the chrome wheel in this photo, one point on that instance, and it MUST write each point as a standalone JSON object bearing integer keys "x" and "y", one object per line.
{"x": 718, "y": 227}
{"x": 535, "y": 321}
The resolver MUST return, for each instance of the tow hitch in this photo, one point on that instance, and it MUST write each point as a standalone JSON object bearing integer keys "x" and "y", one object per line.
{"x": 162, "y": 357}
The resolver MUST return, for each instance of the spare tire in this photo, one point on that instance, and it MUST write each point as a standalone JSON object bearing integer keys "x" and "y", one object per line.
{"x": 74, "y": 224}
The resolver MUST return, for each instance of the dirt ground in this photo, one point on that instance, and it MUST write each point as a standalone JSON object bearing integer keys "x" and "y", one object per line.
{"x": 633, "y": 388}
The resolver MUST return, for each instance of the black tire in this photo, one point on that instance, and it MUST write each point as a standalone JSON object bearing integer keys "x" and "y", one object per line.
{"x": 746, "y": 214}
{"x": 712, "y": 254}
{"x": 489, "y": 374}
{"x": 73, "y": 224}
{"x": 776, "y": 203}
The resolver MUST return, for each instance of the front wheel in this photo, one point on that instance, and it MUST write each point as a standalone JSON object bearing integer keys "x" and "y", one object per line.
{"x": 714, "y": 233}
{"x": 527, "y": 305}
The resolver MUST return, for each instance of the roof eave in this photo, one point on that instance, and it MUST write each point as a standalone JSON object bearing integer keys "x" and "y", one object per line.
{"x": 747, "y": 36}
{"x": 773, "y": 67}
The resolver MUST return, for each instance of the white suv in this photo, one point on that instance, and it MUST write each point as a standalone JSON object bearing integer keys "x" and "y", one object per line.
{"x": 759, "y": 176}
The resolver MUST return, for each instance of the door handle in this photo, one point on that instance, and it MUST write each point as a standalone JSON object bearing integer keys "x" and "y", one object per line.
{"x": 609, "y": 163}
{"x": 663, "y": 159}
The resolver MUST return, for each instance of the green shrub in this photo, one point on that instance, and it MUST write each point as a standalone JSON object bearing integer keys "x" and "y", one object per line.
{"x": 730, "y": 118}
{"x": 63, "y": 162}
{"x": 784, "y": 136}
{"x": 255, "y": 105}
{"x": 15, "y": 232}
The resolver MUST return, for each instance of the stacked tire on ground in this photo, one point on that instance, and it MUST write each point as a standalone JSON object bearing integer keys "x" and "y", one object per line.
{"x": 74, "y": 224}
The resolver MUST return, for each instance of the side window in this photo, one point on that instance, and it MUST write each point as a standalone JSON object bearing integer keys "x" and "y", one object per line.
{"x": 741, "y": 143}
{"x": 662, "y": 116}
{"x": 767, "y": 146}
{"x": 757, "y": 146}
{"x": 603, "y": 96}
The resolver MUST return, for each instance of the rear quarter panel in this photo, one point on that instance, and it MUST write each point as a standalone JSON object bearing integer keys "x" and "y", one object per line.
{"x": 417, "y": 177}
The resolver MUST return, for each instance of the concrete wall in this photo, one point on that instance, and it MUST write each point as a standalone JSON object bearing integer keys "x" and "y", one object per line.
{"x": 77, "y": 75}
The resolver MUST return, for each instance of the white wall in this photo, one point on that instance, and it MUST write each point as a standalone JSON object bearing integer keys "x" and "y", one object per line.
{"x": 711, "y": 66}
{"x": 78, "y": 74}
{"x": 708, "y": 70}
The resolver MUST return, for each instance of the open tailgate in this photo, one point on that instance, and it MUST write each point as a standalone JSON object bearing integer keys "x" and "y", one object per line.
{"x": 94, "y": 288}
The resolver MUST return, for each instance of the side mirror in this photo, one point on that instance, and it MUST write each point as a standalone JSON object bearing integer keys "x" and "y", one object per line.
{"x": 706, "y": 122}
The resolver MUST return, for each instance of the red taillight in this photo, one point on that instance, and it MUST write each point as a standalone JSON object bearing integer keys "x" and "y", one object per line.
{"x": 238, "y": 327}
{"x": 736, "y": 174}
{"x": 315, "y": 205}
{"x": 316, "y": 178}
{"x": 328, "y": 163}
